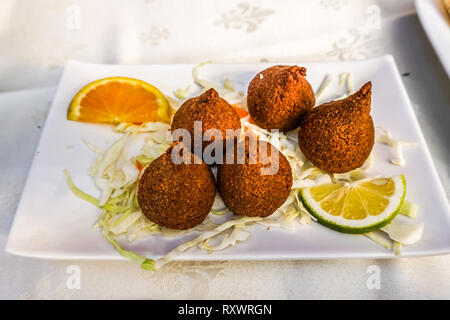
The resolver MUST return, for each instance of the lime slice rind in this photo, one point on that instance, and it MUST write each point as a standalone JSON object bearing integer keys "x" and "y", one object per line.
{"x": 368, "y": 224}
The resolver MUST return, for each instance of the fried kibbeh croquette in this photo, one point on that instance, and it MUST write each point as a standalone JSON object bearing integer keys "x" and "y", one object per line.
{"x": 279, "y": 96}
{"x": 246, "y": 188}
{"x": 338, "y": 136}
{"x": 176, "y": 196}
{"x": 213, "y": 112}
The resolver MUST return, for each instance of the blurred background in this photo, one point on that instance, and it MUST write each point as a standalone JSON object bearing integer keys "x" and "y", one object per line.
{"x": 38, "y": 37}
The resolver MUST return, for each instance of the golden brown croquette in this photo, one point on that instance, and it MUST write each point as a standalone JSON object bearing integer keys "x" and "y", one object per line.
{"x": 279, "y": 96}
{"x": 213, "y": 111}
{"x": 244, "y": 187}
{"x": 338, "y": 136}
{"x": 176, "y": 196}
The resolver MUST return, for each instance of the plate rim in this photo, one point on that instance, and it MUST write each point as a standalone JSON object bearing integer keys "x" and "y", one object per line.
{"x": 389, "y": 255}
{"x": 419, "y": 5}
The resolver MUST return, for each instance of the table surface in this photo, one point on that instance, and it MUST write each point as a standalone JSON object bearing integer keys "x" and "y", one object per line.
{"x": 29, "y": 82}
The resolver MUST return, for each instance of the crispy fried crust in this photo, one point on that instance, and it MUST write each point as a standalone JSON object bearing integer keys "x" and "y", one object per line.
{"x": 176, "y": 196}
{"x": 338, "y": 136}
{"x": 279, "y": 96}
{"x": 212, "y": 110}
{"x": 246, "y": 191}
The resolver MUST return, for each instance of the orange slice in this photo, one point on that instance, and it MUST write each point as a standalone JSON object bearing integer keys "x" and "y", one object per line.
{"x": 242, "y": 113}
{"x": 119, "y": 99}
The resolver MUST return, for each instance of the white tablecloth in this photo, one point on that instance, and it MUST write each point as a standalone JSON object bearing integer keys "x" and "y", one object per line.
{"x": 38, "y": 37}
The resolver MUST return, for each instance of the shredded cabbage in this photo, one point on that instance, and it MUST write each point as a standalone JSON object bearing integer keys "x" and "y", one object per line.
{"x": 182, "y": 94}
{"x": 397, "y": 248}
{"x": 227, "y": 84}
{"x": 226, "y": 91}
{"x": 346, "y": 77}
{"x": 144, "y": 262}
{"x": 219, "y": 212}
{"x": 175, "y": 104}
{"x": 398, "y": 233}
{"x": 93, "y": 148}
{"x": 323, "y": 87}
{"x": 405, "y": 233}
{"x": 409, "y": 209}
{"x": 206, "y": 225}
{"x": 158, "y": 128}
{"x": 172, "y": 255}
{"x": 380, "y": 238}
{"x": 219, "y": 207}
{"x": 144, "y": 160}
{"x": 237, "y": 234}
{"x": 113, "y": 223}
{"x": 384, "y": 136}
{"x": 116, "y": 176}
{"x": 78, "y": 192}
{"x": 111, "y": 173}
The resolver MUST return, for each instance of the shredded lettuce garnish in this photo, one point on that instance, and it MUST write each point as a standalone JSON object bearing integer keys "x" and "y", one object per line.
{"x": 397, "y": 248}
{"x": 323, "y": 87}
{"x": 226, "y": 91}
{"x": 384, "y": 136}
{"x": 116, "y": 176}
{"x": 237, "y": 234}
{"x": 108, "y": 174}
{"x": 144, "y": 160}
{"x": 220, "y": 212}
{"x": 395, "y": 235}
{"x": 346, "y": 77}
{"x": 92, "y": 147}
{"x": 144, "y": 262}
{"x": 110, "y": 225}
{"x": 218, "y": 205}
{"x": 174, "y": 103}
{"x": 227, "y": 84}
{"x": 182, "y": 94}
{"x": 196, "y": 76}
{"x": 78, "y": 192}
{"x": 172, "y": 255}
{"x": 380, "y": 238}
{"x": 152, "y": 127}
{"x": 405, "y": 233}
{"x": 409, "y": 209}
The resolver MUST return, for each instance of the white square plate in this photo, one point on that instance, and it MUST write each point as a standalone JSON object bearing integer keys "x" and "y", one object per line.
{"x": 436, "y": 21}
{"x": 52, "y": 223}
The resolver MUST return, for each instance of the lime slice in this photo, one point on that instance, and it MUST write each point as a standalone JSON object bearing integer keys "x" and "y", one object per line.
{"x": 356, "y": 207}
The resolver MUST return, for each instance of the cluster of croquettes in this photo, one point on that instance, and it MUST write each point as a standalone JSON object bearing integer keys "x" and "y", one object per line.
{"x": 336, "y": 137}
